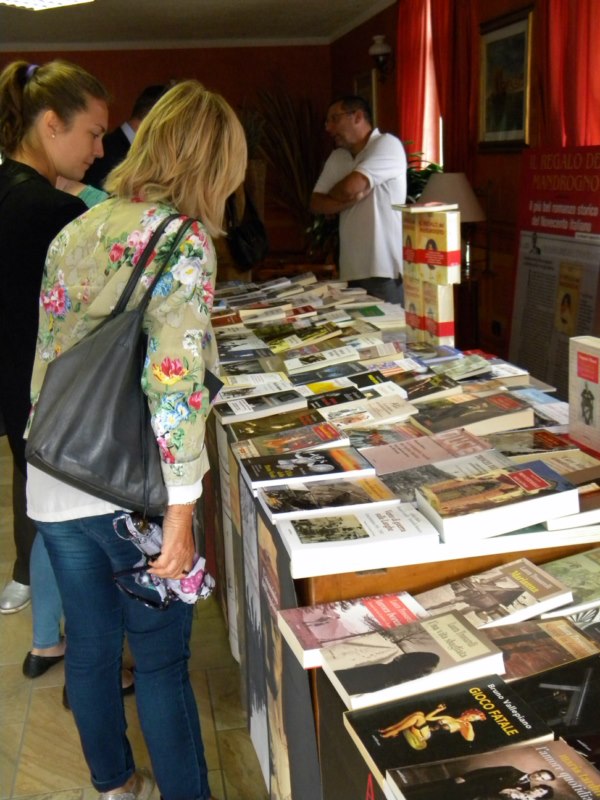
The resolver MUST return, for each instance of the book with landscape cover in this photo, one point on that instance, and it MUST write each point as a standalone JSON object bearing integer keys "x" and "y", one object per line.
{"x": 467, "y": 366}
{"x": 305, "y": 467}
{"x": 350, "y": 542}
{"x": 245, "y": 408}
{"x": 528, "y": 442}
{"x": 538, "y": 645}
{"x": 410, "y": 659}
{"x": 275, "y": 423}
{"x": 504, "y": 594}
{"x": 424, "y": 450}
{"x": 464, "y": 719}
{"x": 311, "y": 437}
{"x": 309, "y": 628}
{"x": 472, "y": 508}
{"x": 326, "y": 498}
{"x": 367, "y": 413}
{"x": 479, "y": 414}
{"x": 550, "y": 769}
{"x": 581, "y": 573}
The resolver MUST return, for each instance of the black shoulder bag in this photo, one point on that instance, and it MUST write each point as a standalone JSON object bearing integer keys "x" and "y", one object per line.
{"x": 91, "y": 428}
{"x": 247, "y": 240}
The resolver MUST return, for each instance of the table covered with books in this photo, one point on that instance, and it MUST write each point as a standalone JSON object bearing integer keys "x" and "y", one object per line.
{"x": 399, "y": 519}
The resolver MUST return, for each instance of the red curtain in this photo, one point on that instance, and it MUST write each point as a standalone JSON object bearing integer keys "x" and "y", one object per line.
{"x": 412, "y": 49}
{"x": 569, "y": 57}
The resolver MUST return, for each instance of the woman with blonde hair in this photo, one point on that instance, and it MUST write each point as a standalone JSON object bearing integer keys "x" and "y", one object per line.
{"x": 188, "y": 156}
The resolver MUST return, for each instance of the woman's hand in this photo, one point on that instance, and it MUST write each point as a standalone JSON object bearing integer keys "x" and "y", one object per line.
{"x": 177, "y": 554}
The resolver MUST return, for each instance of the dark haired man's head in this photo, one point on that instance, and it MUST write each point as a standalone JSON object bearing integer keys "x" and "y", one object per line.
{"x": 349, "y": 123}
{"x": 353, "y": 102}
{"x": 146, "y": 100}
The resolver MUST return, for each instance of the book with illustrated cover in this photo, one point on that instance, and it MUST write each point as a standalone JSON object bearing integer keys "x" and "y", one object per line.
{"x": 363, "y": 380}
{"x": 342, "y": 370}
{"x": 275, "y": 423}
{"x": 467, "y": 366}
{"x": 410, "y": 265}
{"x": 311, "y": 334}
{"x": 501, "y": 501}
{"x": 375, "y": 437}
{"x": 333, "y": 398}
{"x": 424, "y": 450}
{"x": 581, "y": 573}
{"x": 438, "y": 313}
{"x": 528, "y": 442}
{"x": 379, "y": 350}
{"x": 259, "y": 378}
{"x": 309, "y": 628}
{"x": 305, "y": 467}
{"x": 431, "y": 353}
{"x": 244, "y": 408}
{"x": 479, "y": 414}
{"x": 325, "y": 358}
{"x": 367, "y": 413}
{"x": 464, "y": 719}
{"x": 439, "y": 246}
{"x": 325, "y": 498}
{"x": 538, "y": 645}
{"x": 229, "y": 393}
{"x": 584, "y": 391}
{"x": 421, "y": 388}
{"x": 312, "y": 437}
{"x": 504, "y": 594}
{"x": 552, "y": 769}
{"x": 577, "y": 466}
{"x": 350, "y": 542}
{"x": 410, "y": 659}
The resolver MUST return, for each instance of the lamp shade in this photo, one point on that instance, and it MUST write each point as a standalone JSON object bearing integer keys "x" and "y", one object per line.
{"x": 41, "y": 5}
{"x": 453, "y": 187}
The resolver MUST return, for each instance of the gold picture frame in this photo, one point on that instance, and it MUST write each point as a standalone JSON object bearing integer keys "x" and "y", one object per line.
{"x": 365, "y": 85}
{"x": 504, "y": 82}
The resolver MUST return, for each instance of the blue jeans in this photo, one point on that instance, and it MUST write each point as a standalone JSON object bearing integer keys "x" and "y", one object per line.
{"x": 46, "y": 604}
{"x": 85, "y": 553}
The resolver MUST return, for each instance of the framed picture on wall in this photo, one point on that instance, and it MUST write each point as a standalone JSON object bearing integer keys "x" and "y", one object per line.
{"x": 365, "y": 85}
{"x": 504, "y": 81}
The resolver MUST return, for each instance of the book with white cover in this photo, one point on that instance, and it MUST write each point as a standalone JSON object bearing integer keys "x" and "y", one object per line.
{"x": 309, "y": 628}
{"x": 509, "y": 498}
{"x": 312, "y": 361}
{"x": 409, "y": 660}
{"x": 504, "y": 594}
{"x": 584, "y": 390}
{"x": 369, "y": 413}
{"x": 348, "y": 542}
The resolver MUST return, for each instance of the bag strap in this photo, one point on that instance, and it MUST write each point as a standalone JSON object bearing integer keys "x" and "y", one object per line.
{"x": 183, "y": 229}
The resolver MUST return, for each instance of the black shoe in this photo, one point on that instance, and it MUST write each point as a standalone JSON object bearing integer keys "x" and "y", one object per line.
{"x": 34, "y": 666}
{"x": 125, "y": 690}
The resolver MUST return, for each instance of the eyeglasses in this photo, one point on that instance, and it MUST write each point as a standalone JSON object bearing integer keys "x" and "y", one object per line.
{"x": 141, "y": 577}
{"x": 333, "y": 118}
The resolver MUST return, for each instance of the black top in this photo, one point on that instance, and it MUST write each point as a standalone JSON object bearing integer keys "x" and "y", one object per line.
{"x": 31, "y": 215}
{"x": 116, "y": 146}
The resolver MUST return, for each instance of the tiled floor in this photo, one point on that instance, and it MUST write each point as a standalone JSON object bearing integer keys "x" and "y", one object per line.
{"x": 40, "y": 755}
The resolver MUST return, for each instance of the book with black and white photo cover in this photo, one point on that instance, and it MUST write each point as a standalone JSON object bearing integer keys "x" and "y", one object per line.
{"x": 351, "y": 542}
{"x": 550, "y": 769}
{"x": 324, "y": 358}
{"x": 258, "y": 378}
{"x": 423, "y": 387}
{"x": 275, "y": 423}
{"x": 480, "y": 415}
{"x": 309, "y": 628}
{"x": 369, "y": 413}
{"x": 470, "y": 717}
{"x": 504, "y": 594}
{"x": 584, "y": 391}
{"x": 290, "y": 469}
{"x": 325, "y": 498}
{"x": 467, "y": 366}
{"x": 410, "y": 659}
{"x": 539, "y": 645}
{"x": 468, "y": 509}
{"x": 341, "y": 370}
{"x": 424, "y": 450}
{"x": 529, "y": 442}
{"x": 581, "y": 573}
{"x": 312, "y": 437}
{"x": 245, "y": 408}
{"x": 431, "y": 353}
{"x": 229, "y": 393}
{"x": 375, "y": 437}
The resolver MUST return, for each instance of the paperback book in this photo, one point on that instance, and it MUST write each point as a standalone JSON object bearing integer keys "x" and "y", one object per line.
{"x": 312, "y": 437}
{"x": 504, "y": 594}
{"x": 325, "y": 358}
{"x": 375, "y": 437}
{"x": 350, "y": 542}
{"x": 549, "y": 769}
{"x": 480, "y": 415}
{"x": 467, "y": 366}
{"x": 421, "y": 388}
{"x": 468, "y": 509}
{"x": 275, "y": 423}
{"x": 588, "y": 514}
{"x": 326, "y": 498}
{"x": 581, "y": 573}
{"x": 245, "y": 408}
{"x": 584, "y": 391}
{"x": 304, "y": 467}
{"x": 528, "y": 442}
{"x": 309, "y": 628}
{"x": 410, "y": 659}
{"x": 368, "y": 413}
{"x": 464, "y": 719}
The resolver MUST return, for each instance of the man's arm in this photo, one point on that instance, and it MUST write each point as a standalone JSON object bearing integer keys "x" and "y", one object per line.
{"x": 346, "y": 193}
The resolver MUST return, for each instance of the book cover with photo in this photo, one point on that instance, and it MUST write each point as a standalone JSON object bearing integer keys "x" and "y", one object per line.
{"x": 245, "y": 408}
{"x": 344, "y": 395}
{"x": 301, "y": 466}
{"x": 552, "y": 769}
{"x": 324, "y": 358}
{"x": 312, "y": 437}
{"x": 581, "y": 573}
{"x": 536, "y": 646}
{"x": 423, "y": 387}
{"x": 467, "y": 366}
{"x": 482, "y": 506}
{"x": 508, "y": 593}
{"x": 529, "y": 442}
{"x": 354, "y": 542}
{"x": 325, "y": 498}
{"x": 464, "y": 719}
{"x": 410, "y": 659}
{"x": 275, "y": 423}
{"x": 341, "y": 370}
{"x": 307, "y": 629}
{"x": 367, "y": 413}
{"x": 479, "y": 414}
{"x": 375, "y": 437}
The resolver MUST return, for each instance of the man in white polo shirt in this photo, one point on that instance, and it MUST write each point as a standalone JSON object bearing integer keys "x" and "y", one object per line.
{"x": 360, "y": 181}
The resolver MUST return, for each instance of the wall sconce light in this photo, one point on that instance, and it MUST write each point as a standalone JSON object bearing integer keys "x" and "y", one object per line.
{"x": 41, "y": 5}
{"x": 381, "y": 53}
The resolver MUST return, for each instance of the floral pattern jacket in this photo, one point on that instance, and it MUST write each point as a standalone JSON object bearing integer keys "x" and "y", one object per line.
{"x": 87, "y": 267}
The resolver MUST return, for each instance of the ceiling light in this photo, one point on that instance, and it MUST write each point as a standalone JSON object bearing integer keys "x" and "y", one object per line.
{"x": 41, "y": 5}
